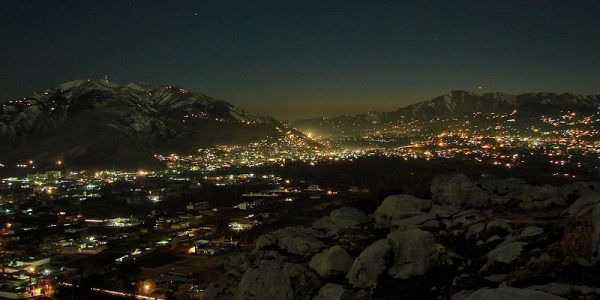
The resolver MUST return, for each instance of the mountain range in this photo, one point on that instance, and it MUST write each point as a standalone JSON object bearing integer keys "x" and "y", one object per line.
{"x": 462, "y": 104}
{"x": 90, "y": 124}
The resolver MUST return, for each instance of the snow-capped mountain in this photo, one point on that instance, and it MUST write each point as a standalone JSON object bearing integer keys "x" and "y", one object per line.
{"x": 459, "y": 103}
{"x": 100, "y": 123}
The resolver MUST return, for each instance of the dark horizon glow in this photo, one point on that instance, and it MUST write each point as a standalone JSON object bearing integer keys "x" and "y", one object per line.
{"x": 296, "y": 59}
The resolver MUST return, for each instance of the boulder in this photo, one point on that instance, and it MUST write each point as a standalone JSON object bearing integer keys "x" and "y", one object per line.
{"x": 369, "y": 265}
{"x": 293, "y": 240}
{"x": 278, "y": 280}
{"x": 398, "y": 207}
{"x": 342, "y": 218}
{"x": 509, "y": 293}
{"x": 331, "y": 262}
{"x": 415, "y": 252}
{"x": 505, "y": 254}
{"x": 331, "y": 291}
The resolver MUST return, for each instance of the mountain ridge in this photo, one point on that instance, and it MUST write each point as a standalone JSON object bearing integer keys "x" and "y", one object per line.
{"x": 460, "y": 103}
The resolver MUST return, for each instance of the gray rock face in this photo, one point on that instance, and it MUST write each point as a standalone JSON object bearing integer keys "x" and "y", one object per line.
{"x": 331, "y": 262}
{"x": 504, "y": 254}
{"x": 509, "y": 293}
{"x": 342, "y": 218}
{"x": 369, "y": 265}
{"x": 330, "y": 291}
{"x": 458, "y": 190}
{"x": 583, "y": 205}
{"x": 278, "y": 280}
{"x": 415, "y": 252}
{"x": 294, "y": 240}
{"x": 398, "y": 207}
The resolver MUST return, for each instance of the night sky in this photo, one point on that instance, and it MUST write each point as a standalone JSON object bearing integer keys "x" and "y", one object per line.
{"x": 294, "y": 59}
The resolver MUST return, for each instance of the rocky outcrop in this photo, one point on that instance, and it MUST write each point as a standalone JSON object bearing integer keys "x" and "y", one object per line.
{"x": 369, "y": 265}
{"x": 415, "y": 252}
{"x": 278, "y": 280}
{"x": 504, "y": 254}
{"x": 331, "y": 262}
{"x": 433, "y": 250}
